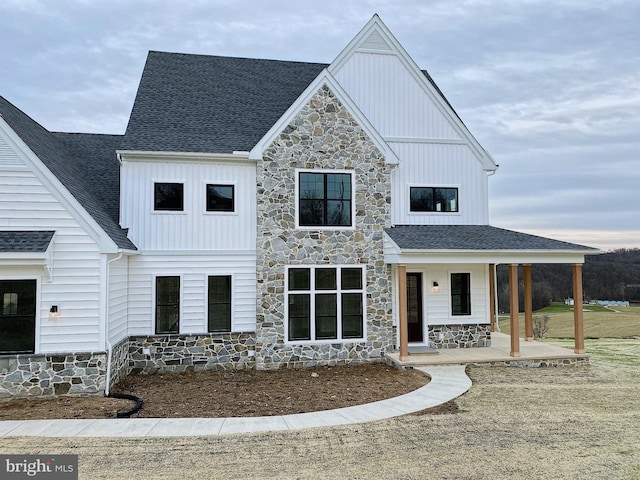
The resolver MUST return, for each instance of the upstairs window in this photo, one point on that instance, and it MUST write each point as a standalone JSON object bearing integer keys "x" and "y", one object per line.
{"x": 460, "y": 294}
{"x": 325, "y": 199}
{"x": 168, "y": 197}
{"x": 433, "y": 199}
{"x": 220, "y": 198}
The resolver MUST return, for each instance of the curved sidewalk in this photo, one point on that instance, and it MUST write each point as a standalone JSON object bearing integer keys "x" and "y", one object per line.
{"x": 447, "y": 382}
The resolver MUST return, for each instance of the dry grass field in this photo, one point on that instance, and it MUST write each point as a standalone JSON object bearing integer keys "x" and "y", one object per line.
{"x": 557, "y": 423}
{"x": 599, "y": 322}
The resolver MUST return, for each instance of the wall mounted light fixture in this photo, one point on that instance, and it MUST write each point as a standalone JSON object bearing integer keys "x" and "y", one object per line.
{"x": 435, "y": 286}
{"x": 53, "y": 311}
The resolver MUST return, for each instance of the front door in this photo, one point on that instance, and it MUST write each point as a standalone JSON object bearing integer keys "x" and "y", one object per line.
{"x": 17, "y": 316}
{"x": 414, "y": 307}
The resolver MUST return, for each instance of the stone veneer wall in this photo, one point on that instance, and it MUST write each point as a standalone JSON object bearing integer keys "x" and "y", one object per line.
{"x": 119, "y": 361}
{"x": 539, "y": 363}
{"x": 459, "y": 336}
{"x": 34, "y": 375}
{"x": 181, "y": 353}
{"x": 323, "y": 135}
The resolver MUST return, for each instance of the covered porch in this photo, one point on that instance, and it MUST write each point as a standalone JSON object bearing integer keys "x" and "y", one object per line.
{"x": 532, "y": 353}
{"x": 410, "y": 245}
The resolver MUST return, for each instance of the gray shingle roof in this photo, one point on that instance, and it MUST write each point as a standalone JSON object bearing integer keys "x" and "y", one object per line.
{"x": 75, "y": 161}
{"x": 201, "y": 103}
{"x": 204, "y": 103}
{"x": 474, "y": 237}
{"x": 25, "y": 241}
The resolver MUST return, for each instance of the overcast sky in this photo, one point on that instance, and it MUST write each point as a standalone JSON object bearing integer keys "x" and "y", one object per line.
{"x": 550, "y": 88}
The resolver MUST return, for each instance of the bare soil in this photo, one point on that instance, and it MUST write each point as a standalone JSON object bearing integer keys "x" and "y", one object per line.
{"x": 243, "y": 393}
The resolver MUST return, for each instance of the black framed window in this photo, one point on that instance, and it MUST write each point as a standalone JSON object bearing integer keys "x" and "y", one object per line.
{"x": 219, "y": 303}
{"x": 461, "y": 294}
{"x": 17, "y": 316}
{"x": 325, "y": 303}
{"x": 220, "y": 198}
{"x": 167, "y": 304}
{"x": 325, "y": 199}
{"x": 433, "y": 199}
{"x": 168, "y": 197}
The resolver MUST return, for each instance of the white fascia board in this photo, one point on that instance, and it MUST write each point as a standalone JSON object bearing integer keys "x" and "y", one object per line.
{"x": 324, "y": 78}
{"x": 487, "y": 256}
{"x": 376, "y": 24}
{"x": 160, "y": 156}
{"x": 57, "y": 189}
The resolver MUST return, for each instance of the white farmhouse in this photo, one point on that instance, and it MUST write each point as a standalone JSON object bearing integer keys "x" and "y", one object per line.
{"x": 255, "y": 214}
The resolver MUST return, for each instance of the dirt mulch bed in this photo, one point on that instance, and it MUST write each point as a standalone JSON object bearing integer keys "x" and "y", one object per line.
{"x": 245, "y": 393}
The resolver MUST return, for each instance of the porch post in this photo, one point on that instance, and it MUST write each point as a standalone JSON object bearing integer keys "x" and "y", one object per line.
{"x": 492, "y": 296}
{"x": 578, "y": 320}
{"x": 528, "y": 304}
{"x": 402, "y": 312}
{"x": 513, "y": 310}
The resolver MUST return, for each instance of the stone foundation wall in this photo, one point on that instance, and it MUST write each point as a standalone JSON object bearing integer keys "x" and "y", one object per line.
{"x": 539, "y": 363}
{"x": 37, "y": 375}
{"x": 459, "y": 336}
{"x": 303, "y": 356}
{"x": 181, "y": 353}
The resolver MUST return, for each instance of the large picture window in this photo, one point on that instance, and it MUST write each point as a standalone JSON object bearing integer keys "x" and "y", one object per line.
{"x": 167, "y": 304}
{"x": 168, "y": 197}
{"x": 219, "y": 304}
{"x": 325, "y": 199}
{"x": 433, "y": 199}
{"x": 325, "y": 303}
{"x": 461, "y": 294}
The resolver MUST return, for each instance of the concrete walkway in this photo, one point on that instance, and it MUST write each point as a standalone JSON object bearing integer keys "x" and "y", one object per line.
{"x": 447, "y": 382}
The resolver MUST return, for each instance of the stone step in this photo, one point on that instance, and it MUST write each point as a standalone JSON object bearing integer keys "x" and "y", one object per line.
{"x": 422, "y": 350}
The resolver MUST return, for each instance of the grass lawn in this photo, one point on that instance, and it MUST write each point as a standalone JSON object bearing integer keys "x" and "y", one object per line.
{"x": 599, "y": 322}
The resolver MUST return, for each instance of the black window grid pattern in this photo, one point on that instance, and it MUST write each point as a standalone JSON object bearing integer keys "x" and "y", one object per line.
{"x": 325, "y": 199}
{"x": 434, "y": 199}
{"x": 325, "y": 303}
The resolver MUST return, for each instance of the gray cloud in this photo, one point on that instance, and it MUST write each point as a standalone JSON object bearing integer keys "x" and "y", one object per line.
{"x": 550, "y": 88}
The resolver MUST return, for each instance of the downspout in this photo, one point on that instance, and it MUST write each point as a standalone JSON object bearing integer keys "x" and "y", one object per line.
{"x": 106, "y": 325}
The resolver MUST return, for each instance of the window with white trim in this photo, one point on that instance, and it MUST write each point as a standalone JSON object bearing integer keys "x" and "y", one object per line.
{"x": 433, "y": 199}
{"x": 460, "y": 294}
{"x": 219, "y": 303}
{"x": 168, "y": 197}
{"x": 168, "y": 304}
{"x": 325, "y": 303}
{"x": 325, "y": 199}
{"x": 220, "y": 198}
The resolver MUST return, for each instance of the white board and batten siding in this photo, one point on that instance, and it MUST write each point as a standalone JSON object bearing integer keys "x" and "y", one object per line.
{"x": 439, "y": 165}
{"x": 192, "y": 244}
{"x": 27, "y": 204}
{"x": 194, "y": 228}
{"x": 430, "y": 146}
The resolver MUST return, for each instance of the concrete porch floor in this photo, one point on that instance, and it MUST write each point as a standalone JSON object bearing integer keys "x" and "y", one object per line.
{"x": 497, "y": 352}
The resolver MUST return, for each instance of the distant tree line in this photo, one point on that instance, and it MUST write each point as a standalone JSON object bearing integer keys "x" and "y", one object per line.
{"x": 611, "y": 276}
